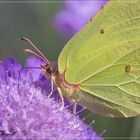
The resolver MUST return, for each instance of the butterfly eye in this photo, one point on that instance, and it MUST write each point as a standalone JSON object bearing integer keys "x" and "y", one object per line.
{"x": 49, "y": 70}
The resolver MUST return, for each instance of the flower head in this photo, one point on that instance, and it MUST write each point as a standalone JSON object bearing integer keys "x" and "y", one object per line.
{"x": 75, "y": 14}
{"x": 27, "y": 113}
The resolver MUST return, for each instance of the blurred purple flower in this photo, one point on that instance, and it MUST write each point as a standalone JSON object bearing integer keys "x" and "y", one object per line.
{"x": 75, "y": 14}
{"x": 26, "y": 113}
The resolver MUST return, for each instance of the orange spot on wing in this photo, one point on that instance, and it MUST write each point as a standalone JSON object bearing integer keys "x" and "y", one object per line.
{"x": 127, "y": 68}
{"x": 102, "y": 31}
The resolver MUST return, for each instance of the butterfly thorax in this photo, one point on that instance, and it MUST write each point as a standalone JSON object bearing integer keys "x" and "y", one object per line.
{"x": 67, "y": 89}
{"x": 59, "y": 79}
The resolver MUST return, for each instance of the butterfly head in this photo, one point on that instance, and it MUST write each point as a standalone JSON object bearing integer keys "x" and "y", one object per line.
{"x": 49, "y": 70}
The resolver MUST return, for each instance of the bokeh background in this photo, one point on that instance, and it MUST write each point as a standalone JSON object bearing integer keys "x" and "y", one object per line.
{"x": 35, "y": 21}
{"x": 32, "y": 20}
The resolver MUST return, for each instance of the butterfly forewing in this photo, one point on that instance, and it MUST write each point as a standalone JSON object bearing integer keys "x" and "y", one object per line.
{"x": 104, "y": 58}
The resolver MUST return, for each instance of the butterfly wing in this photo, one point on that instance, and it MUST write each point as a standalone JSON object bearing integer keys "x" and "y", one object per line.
{"x": 104, "y": 58}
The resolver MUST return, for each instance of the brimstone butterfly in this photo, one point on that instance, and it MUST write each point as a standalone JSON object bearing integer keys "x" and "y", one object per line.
{"x": 99, "y": 67}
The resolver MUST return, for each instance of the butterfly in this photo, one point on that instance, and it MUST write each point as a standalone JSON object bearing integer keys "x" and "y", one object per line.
{"x": 99, "y": 68}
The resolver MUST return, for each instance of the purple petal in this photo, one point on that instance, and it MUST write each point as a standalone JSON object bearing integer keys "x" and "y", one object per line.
{"x": 33, "y": 63}
{"x": 26, "y": 113}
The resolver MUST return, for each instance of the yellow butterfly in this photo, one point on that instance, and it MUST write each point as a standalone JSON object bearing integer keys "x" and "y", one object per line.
{"x": 99, "y": 68}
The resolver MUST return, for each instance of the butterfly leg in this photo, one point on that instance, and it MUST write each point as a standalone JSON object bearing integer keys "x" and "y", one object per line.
{"x": 74, "y": 107}
{"x": 51, "y": 88}
{"x": 62, "y": 98}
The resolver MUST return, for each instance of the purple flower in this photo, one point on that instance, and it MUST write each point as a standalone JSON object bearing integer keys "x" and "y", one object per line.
{"x": 75, "y": 14}
{"x": 27, "y": 113}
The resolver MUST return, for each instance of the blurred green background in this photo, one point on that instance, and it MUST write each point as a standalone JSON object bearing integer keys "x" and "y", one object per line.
{"x": 35, "y": 21}
{"x": 32, "y": 20}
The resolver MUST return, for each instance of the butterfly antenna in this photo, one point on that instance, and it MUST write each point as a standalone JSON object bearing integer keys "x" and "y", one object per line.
{"x": 34, "y": 53}
{"x": 39, "y": 53}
